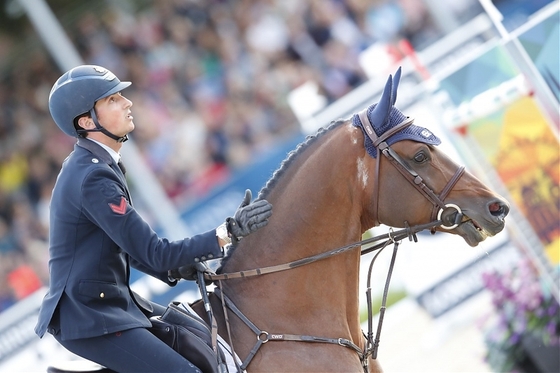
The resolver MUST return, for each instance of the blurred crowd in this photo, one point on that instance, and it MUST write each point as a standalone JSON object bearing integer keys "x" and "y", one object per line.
{"x": 210, "y": 86}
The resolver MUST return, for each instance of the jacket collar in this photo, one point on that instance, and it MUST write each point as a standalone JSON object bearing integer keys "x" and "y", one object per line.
{"x": 97, "y": 150}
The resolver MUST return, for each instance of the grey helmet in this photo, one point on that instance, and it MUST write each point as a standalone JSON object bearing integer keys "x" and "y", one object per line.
{"x": 75, "y": 94}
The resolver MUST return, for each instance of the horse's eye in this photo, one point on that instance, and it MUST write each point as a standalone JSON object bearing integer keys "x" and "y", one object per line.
{"x": 420, "y": 157}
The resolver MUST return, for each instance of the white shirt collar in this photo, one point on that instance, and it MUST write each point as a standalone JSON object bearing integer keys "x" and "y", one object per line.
{"x": 116, "y": 156}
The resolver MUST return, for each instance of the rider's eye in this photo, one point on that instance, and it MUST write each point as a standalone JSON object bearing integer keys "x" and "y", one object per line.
{"x": 420, "y": 157}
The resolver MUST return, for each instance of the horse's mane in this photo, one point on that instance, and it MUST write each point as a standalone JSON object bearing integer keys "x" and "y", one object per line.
{"x": 291, "y": 157}
{"x": 281, "y": 170}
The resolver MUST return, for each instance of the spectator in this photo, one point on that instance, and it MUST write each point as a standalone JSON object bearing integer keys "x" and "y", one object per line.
{"x": 211, "y": 85}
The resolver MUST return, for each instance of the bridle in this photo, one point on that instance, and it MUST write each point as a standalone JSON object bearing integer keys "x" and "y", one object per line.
{"x": 394, "y": 237}
{"x": 379, "y": 142}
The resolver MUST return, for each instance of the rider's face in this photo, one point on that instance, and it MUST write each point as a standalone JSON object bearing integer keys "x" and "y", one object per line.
{"x": 113, "y": 113}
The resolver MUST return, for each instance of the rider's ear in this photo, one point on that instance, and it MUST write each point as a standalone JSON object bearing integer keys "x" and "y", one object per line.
{"x": 84, "y": 122}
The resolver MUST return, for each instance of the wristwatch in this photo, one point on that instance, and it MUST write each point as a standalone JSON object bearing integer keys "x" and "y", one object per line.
{"x": 223, "y": 234}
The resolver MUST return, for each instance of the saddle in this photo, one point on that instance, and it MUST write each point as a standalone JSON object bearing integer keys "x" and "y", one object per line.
{"x": 184, "y": 331}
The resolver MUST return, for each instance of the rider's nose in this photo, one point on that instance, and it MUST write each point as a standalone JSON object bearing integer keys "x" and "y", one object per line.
{"x": 128, "y": 102}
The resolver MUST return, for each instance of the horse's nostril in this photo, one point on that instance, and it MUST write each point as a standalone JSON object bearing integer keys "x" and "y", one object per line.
{"x": 499, "y": 209}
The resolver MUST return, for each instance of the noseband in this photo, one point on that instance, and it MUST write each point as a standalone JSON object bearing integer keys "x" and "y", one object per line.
{"x": 379, "y": 142}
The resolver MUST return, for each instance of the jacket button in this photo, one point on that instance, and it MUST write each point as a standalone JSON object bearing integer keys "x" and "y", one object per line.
{"x": 196, "y": 260}
{"x": 102, "y": 295}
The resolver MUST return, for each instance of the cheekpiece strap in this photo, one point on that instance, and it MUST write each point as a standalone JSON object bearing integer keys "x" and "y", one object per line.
{"x": 366, "y": 125}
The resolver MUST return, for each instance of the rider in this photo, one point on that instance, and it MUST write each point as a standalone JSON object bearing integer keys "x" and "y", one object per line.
{"x": 96, "y": 235}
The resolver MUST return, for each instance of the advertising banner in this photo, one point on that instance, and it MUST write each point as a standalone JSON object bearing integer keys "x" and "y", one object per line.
{"x": 498, "y": 122}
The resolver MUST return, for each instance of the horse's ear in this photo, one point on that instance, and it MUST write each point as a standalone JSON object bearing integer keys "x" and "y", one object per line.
{"x": 381, "y": 111}
{"x": 396, "y": 81}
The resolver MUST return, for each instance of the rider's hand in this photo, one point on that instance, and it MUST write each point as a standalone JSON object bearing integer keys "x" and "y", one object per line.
{"x": 249, "y": 217}
{"x": 187, "y": 272}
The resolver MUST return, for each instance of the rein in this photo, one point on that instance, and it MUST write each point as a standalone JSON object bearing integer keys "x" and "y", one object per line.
{"x": 392, "y": 236}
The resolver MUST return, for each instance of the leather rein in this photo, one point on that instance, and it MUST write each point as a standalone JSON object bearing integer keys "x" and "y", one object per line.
{"x": 394, "y": 237}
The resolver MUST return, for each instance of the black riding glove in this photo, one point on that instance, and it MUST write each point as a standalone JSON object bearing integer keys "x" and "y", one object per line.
{"x": 189, "y": 272}
{"x": 249, "y": 217}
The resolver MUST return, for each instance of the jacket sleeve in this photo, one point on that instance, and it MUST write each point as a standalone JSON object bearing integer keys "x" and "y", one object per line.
{"x": 105, "y": 203}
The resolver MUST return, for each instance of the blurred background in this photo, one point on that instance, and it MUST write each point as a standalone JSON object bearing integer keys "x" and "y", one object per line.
{"x": 223, "y": 90}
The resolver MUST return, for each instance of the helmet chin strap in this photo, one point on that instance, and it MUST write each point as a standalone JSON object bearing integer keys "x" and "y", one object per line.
{"x": 98, "y": 128}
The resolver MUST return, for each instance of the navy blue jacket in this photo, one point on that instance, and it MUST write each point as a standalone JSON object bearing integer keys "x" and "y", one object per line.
{"x": 95, "y": 236}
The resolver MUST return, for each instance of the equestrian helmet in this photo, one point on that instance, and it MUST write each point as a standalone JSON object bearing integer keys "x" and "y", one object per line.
{"x": 76, "y": 92}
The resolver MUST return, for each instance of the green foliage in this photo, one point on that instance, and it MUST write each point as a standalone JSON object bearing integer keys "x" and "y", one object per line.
{"x": 392, "y": 298}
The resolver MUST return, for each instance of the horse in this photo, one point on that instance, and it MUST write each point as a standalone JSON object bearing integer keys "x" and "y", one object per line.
{"x": 286, "y": 296}
{"x": 287, "y": 285}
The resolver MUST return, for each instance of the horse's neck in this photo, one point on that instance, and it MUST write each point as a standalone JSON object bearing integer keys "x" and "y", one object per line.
{"x": 317, "y": 205}
{"x": 317, "y": 208}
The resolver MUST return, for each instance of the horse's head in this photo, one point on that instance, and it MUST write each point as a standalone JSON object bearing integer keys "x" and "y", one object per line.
{"x": 438, "y": 189}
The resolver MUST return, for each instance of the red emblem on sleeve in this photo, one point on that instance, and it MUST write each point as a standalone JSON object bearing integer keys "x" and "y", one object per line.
{"x": 119, "y": 209}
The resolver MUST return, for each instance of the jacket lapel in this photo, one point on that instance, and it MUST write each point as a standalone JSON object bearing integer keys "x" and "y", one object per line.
{"x": 102, "y": 154}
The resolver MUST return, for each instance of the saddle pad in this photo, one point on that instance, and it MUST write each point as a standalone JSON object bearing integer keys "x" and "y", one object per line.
{"x": 230, "y": 362}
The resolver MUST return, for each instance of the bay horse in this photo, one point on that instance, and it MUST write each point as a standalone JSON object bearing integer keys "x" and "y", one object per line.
{"x": 374, "y": 168}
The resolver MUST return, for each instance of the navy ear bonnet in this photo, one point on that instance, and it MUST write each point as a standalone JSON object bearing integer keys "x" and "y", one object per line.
{"x": 412, "y": 132}
{"x": 390, "y": 117}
